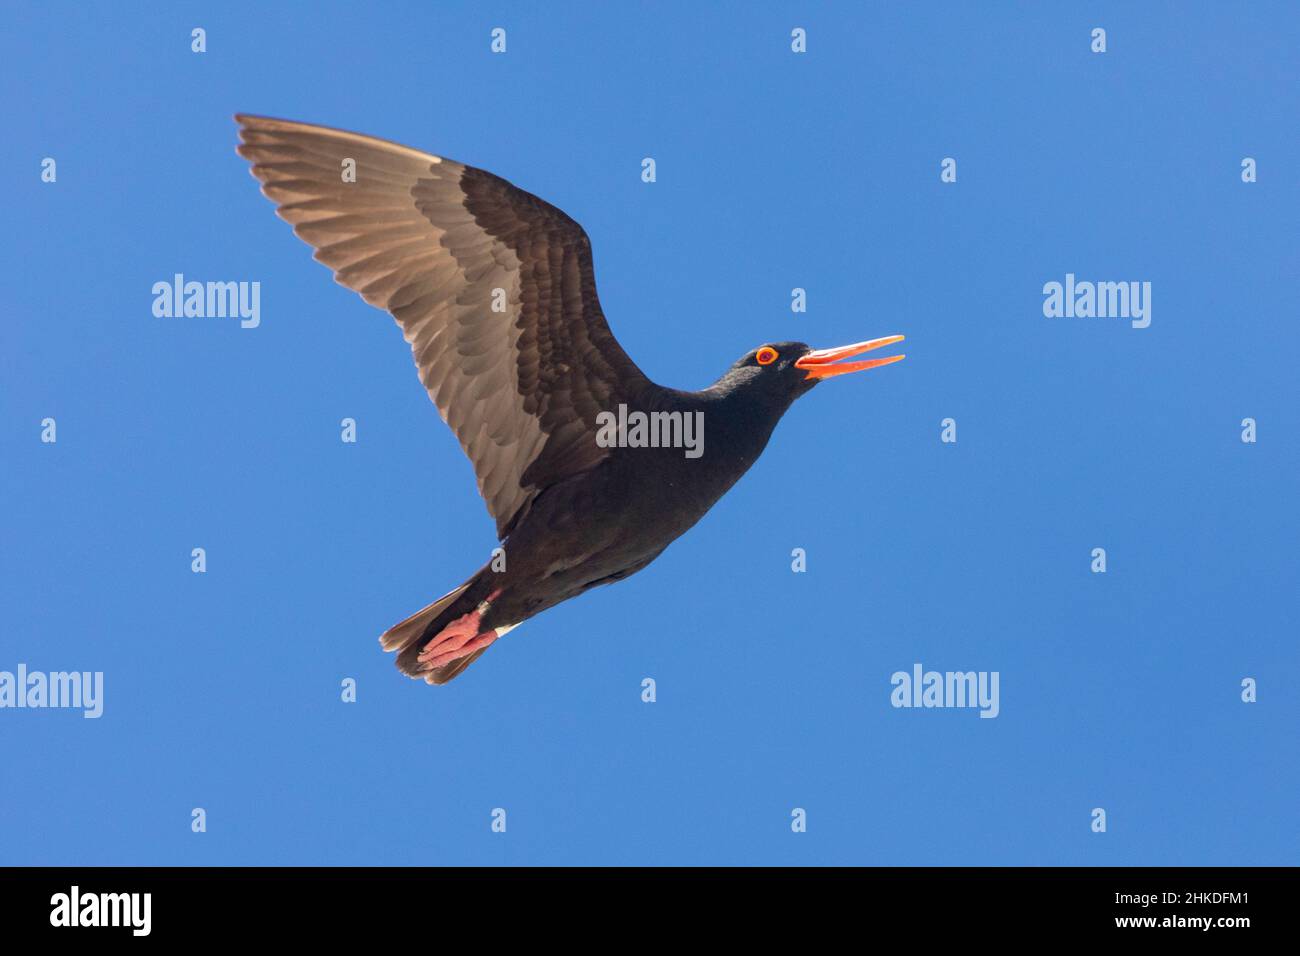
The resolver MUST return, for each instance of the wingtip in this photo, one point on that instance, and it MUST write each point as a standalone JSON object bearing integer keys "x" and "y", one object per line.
{"x": 247, "y": 120}
{"x": 264, "y": 126}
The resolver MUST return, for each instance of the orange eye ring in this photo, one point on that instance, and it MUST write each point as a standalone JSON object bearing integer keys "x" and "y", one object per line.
{"x": 766, "y": 355}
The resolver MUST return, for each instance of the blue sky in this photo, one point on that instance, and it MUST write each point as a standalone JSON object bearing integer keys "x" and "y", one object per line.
{"x": 774, "y": 170}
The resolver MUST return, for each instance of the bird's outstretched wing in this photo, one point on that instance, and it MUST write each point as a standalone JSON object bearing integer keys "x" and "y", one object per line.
{"x": 492, "y": 287}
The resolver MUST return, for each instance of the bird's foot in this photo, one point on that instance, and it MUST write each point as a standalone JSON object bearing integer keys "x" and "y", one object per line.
{"x": 460, "y": 638}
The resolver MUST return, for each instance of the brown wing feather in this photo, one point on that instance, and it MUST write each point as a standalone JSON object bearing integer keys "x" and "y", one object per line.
{"x": 432, "y": 241}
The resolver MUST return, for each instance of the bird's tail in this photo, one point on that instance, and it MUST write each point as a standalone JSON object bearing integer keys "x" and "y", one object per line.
{"x": 409, "y": 637}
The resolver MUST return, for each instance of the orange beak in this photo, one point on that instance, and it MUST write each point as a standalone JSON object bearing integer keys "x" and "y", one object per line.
{"x": 821, "y": 363}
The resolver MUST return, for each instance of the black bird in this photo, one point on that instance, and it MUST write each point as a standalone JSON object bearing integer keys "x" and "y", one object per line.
{"x": 495, "y": 292}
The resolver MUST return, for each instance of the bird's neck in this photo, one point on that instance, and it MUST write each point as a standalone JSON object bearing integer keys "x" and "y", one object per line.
{"x": 737, "y": 422}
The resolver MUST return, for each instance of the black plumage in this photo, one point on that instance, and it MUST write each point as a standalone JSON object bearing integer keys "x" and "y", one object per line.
{"x": 495, "y": 291}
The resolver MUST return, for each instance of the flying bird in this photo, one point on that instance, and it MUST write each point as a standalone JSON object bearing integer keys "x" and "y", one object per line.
{"x": 495, "y": 291}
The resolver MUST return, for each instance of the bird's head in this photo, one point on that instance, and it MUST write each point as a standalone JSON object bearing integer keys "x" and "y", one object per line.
{"x": 786, "y": 370}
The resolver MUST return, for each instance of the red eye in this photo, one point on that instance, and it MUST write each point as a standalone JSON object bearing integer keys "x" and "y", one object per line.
{"x": 766, "y": 355}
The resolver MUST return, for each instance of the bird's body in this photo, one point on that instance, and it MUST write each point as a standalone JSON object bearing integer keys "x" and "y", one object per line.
{"x": 605, "y": 524}
{"x": 610, "y": 522}
{"x": 495, "y": 291}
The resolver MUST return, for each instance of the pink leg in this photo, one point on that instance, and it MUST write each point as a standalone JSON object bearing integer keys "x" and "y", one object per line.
{"x": 459, "y": 638}
{"x": 479, "y": 642}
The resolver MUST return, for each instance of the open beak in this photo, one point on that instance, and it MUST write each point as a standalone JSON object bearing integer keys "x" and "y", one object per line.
{"x": 825, "y": 363}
